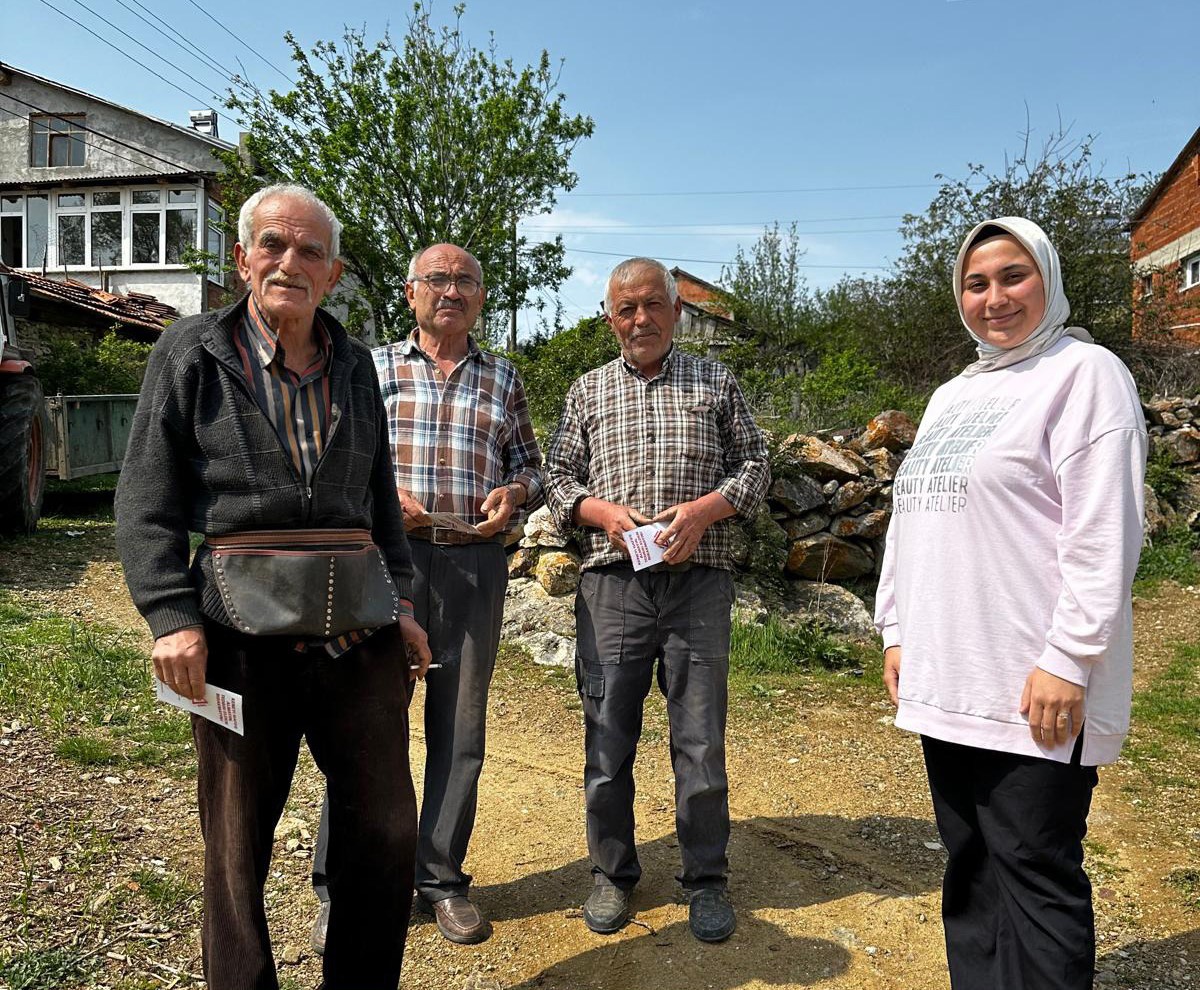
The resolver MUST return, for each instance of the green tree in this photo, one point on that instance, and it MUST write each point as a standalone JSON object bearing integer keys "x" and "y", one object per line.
{"x": 766, "y": 292}
{"x": 411, "y": 143}
{"x": 549, "y": 364}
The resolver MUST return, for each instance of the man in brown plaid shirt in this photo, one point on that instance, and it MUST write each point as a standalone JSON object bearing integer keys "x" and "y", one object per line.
{"x": 658, "y": 435}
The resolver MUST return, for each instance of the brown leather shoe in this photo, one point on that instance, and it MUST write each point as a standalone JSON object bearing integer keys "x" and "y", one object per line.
{"x": 458, "y": 919}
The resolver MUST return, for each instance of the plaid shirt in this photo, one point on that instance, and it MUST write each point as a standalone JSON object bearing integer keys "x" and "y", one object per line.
{"x": 297, "y": 406}
{"x": 455, "y": 441}
{"x": 653, "y": 443}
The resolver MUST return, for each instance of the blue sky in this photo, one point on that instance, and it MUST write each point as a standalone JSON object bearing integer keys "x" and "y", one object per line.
{"x": 725, "y": 116}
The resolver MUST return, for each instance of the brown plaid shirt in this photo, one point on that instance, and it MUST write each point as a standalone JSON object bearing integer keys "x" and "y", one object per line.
{"x": 653, "y": 443}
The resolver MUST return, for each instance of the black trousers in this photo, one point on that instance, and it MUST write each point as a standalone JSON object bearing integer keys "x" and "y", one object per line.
{"x": 626, "y": 623}
{"x": 1016, "y": 903}
{"x": 353, "y": 711}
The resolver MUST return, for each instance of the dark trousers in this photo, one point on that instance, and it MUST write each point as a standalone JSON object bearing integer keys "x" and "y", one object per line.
{"x": 626, "y": 622}
{"x": 458, "y": 594}
{"x": 353, "y": 711}
{"x": 1016, "y": 903}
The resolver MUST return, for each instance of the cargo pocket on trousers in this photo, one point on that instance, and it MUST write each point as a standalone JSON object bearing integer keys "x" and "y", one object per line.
{"x": 589, "y": 678}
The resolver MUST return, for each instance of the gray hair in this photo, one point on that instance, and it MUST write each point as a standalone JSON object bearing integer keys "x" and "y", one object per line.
{"x": 415, "y": 260}
{"x": 627, "y": 270}
{"x": 288, "y": 190}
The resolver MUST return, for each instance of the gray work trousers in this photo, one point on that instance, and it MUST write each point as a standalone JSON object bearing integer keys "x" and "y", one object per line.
{"x": 458, "y": 594}
{"x": 626, "y": 621}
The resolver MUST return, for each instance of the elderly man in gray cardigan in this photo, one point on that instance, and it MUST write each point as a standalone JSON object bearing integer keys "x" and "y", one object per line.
{"x": 254, "y": 419}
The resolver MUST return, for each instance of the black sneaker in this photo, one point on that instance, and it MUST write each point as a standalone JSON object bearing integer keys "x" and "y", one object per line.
{"x": 710, "y": 915}
{"x": 606, "y": 909}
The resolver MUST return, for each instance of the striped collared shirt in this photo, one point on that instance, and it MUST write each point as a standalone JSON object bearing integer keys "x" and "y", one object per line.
{"x": 297, "y": 406}
{"x": 454, "y": 441}
{"x": 652, "y": 443}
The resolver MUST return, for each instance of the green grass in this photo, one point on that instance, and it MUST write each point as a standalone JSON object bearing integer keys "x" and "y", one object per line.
{"x": 166, "y": 891}
{"x": 773, "y": 648}
{"x": 1166, "y": 720}
{"x": 1186, "y": 879}
{"x": 44, "y": 969}
{"x": 89, "y": 687}
{"x": 1173, "y": 557}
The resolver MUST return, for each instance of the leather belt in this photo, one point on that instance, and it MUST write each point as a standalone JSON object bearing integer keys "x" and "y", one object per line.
{"x": 445, "y": 536}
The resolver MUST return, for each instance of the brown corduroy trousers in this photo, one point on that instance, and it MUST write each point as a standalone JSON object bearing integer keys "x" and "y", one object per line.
{"x": 353, "y": 712}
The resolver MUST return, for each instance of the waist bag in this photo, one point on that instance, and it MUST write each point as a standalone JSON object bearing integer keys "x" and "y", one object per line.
{"x": 303, "y": 582}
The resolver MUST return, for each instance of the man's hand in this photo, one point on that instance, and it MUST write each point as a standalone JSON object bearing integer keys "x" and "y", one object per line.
{"x": 1054, "y": 707}
{"x": 616, "y": 520}
{"x": 415, "y": 516}
{"x": 180, "y": 659}
{"x": 416, "y": 647}
{"x": 499, "y": 506}
{"x": 688, "y": 522}
{"x": 891, "y": 673}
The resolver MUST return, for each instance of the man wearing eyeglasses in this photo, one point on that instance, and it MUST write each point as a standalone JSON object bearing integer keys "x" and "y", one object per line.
{"x": 467, "y": 466}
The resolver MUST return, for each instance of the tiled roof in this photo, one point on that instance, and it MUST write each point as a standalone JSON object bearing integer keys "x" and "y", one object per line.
{"x": 135, "y": 308}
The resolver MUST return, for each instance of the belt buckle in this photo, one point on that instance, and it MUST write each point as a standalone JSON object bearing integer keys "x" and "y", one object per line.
{"x": 433, "y": 536}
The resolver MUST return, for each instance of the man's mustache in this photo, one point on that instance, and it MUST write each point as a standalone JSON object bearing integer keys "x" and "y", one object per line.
{"x": 290, "y": 281}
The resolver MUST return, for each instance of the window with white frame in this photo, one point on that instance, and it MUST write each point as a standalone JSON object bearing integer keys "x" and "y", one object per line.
{"x": 216, "y": 242}
{"x": 56, "y": 140}
{"x": 1191, "y": 271}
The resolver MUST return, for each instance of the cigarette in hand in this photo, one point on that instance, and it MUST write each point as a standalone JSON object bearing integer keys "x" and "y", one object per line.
{"x": 432, "y": 666}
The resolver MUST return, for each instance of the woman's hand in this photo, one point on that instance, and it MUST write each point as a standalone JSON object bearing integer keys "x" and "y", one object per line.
{"x": 891, "y": 672}
{"x": 1054, "y": 707}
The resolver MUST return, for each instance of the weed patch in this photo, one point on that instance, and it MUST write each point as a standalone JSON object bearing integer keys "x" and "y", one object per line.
{"x": 86, "y": 751}
{"x": 1171, "y": 556}
{"x": 1186, "y": 879}
{"x": 1166, "y": 720}
{"x": 44, "y": 969}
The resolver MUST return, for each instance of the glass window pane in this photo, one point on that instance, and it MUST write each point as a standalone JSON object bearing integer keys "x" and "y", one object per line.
{"x": 145, "y": 238}
{"x": 40, "y": 155}
{"x": 181, "y": 234}
{"x": 37, "y": 238}
{"x": 106, "y": 239}
{"x": 11, "y": 241}
{"x": 77, "y": 146}
{"x": 70, "y": 199}
{"x": 58, "y": 124}
{"x": 111, "y": 198}
{"x": 10, "y": 204}
{"x": 181, "y": 195}
{"x": 70, "y": 240}
{"x": 58, "y": 150}
{"x": 143, "y": 196}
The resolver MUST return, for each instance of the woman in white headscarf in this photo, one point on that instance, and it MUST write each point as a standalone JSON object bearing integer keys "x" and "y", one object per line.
{"x": 1005, "y": 609}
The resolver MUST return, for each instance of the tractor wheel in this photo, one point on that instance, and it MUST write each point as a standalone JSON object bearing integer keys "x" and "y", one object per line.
{"x": 23, "y": 436}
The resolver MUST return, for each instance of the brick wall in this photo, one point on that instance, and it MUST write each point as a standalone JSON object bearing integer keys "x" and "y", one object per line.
{"x": 1174, "y": 214}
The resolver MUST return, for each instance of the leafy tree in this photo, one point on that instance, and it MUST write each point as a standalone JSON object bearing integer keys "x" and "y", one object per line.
{"x": 766, "y": 292}
{"x": 549, "y": 364}
{"x": 411, "y": 143}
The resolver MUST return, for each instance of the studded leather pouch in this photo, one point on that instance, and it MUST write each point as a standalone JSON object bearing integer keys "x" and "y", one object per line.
{"x": 303, "y": 582}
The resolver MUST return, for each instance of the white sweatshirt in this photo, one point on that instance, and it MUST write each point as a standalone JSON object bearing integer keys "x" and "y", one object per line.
{"x": 1016, "y": 530}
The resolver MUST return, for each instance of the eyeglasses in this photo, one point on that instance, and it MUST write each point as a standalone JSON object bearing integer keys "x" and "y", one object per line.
{"x": 466, "y": 285}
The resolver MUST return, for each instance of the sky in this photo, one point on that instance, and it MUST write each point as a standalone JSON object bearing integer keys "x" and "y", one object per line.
{"x": 714, "y": 119}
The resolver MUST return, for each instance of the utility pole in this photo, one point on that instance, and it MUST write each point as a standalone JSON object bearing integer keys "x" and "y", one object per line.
{"x": 512, "y": 326}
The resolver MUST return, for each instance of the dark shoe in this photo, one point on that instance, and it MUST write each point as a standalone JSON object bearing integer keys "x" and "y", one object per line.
{"x": 606, "y": 910}
{"x": 710, "y": 915}
{"x": 319, "y": 929}
{"x": 458, "y": 919}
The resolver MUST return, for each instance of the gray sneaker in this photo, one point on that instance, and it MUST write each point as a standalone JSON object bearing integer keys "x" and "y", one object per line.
{"x": 606, "y": 910}
{"x": 319, "y": 929}
{"x": 710, "y": 915}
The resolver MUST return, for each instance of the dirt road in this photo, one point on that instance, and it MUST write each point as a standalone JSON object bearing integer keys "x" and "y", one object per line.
{"x": 835, "y": 859}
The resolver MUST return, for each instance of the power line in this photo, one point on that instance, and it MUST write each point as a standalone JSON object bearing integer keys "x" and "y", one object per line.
{"x": 253, "y": 51}
{"x": 108, "y": 137}
{"x": 710, "y": 261}
{"x": 179, "y": 41}
{"x": 565, "y": 231}
{"x": 104, "y": 151}
{"x": 724, "y": 223}
{"x": 759, "y": 192}
{"x": 192, "y": 96}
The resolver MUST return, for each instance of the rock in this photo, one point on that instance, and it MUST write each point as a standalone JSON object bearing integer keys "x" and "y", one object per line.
{"x": 891, "y": 429}
{"x": 540, "y": 531}
{"x": 805, "y": 525}
{"x": 1183, "y": 446}
{"x": 883, "y": 463}
{"x": 796, "y": 495}
{"x": 759, "y": 544}
{"x": 827, "y": 605}
{"x": 291, "y": 955}
{"x": 866, "y": 527}
{"x": 557, "y": 571}
{"x": 1159, "y": 516}
{"x": 542, "y": 624}
{"x": 850, "y": 494}
{"x": 822, "y": 557}
{"x": 749, "y": 608}
{"x": 289, "y": 826}
{"x": 1156, "y": 407}
{"x": 1184, "y": 414}
{"x": 830, "y": 488}
{"x": 823, "y": 462}
{"x": 549, "y": 649}
{"x": 522, "y": 562}
{"x": 1170, "y": 420}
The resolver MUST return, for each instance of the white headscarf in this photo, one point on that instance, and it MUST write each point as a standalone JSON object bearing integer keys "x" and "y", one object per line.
{"x": 1053, "y": 324}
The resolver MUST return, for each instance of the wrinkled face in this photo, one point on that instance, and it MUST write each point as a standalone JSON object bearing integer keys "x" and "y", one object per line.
{"x": 1003, "y": 297}
{"x": 643, "y": 318}
{"x": 288, "y": 267}
{"x": 448, "y": 313}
